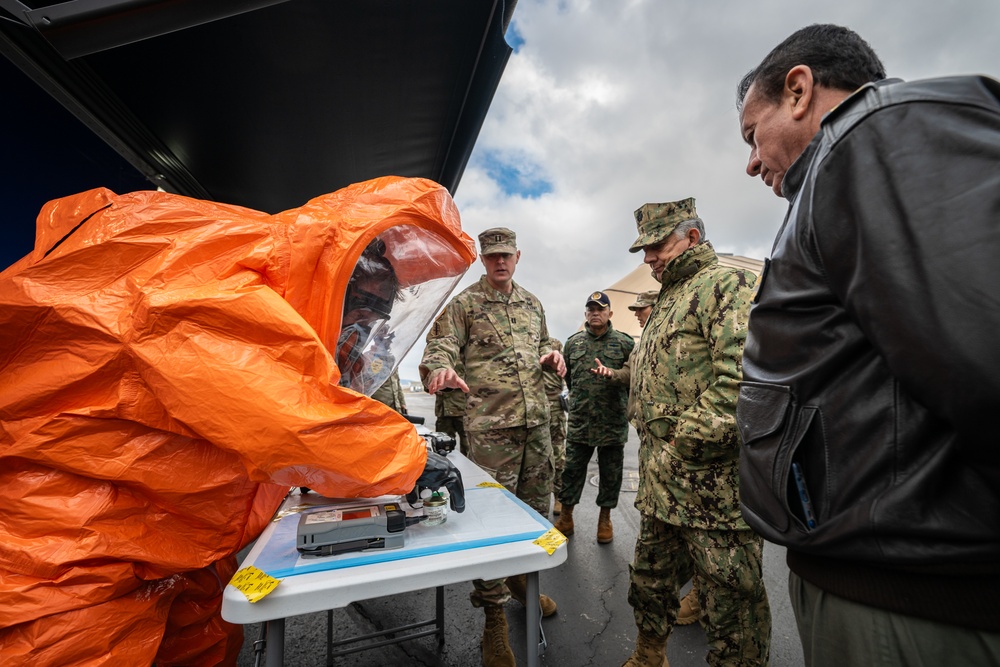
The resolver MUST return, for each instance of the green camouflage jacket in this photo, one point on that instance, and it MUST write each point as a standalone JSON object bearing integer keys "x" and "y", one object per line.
{"x": 499, "y": 339}
{"x": 623, "y": 376}
{"x": 596, "y": 406}
{"x": 687, "y": 369}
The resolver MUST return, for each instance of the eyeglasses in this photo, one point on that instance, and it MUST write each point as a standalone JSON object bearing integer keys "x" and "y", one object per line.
{"x": 359, "y": 300}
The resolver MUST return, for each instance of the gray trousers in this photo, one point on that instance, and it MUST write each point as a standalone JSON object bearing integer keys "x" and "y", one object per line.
{"x": 840, "y": 633}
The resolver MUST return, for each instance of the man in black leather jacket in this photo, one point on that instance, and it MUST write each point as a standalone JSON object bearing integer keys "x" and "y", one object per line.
{"x": 872, "y": 367}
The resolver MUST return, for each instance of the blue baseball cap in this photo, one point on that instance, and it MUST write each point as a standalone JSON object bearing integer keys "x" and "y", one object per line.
{"x": 600, "y": 298}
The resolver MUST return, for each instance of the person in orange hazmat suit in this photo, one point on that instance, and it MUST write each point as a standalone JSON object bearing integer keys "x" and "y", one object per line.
{"x": 168, "y": 368}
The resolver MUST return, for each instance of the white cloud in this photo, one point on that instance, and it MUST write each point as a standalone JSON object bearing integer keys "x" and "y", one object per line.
{"x": 615, "y": 104}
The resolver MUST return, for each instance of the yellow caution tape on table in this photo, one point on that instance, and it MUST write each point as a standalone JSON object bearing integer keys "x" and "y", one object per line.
{"x": 550, "y": 540}
{"x": 254, "y": 583}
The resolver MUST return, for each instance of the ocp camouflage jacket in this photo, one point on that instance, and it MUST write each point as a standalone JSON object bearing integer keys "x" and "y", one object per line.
{"x": 499, "y": 339}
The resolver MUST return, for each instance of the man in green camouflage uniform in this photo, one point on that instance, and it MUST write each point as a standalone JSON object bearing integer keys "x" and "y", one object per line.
{"x": 496, "y": 329}
{"x": 596, "y": 415}
{"x": 554, "y": 386}
{"x": 642, "y": 308}
{"x": 687, "y": 370}
{"x": 391, "y": 393}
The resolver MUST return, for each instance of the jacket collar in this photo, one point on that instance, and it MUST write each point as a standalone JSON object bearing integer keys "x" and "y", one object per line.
{"x": 688, "y": 263}
{"x": 851, "y": 109}
{"x": 586, "y": 327}
{"x": 493, "y": 294}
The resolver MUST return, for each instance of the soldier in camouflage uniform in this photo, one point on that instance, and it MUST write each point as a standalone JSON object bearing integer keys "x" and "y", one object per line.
{"x": 685, "y": 400}
{"x": 554, "y": 386}
{"x": 496, "y": 329}
{"x": 643, "y": 306}
{"x": 391, "y": 393}
{"x": 596, "y": 415}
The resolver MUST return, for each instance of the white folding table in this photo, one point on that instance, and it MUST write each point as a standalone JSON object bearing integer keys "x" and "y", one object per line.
{"x": 332, "y": 589}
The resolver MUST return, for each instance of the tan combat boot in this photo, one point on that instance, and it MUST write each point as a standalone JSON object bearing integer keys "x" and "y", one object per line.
{"x": 690, "y": 610}
{"x": 565, "y": 523}
{"x": 649, "y": 652}
{"x": 556, "y": 508}
{"x": 518, "y": 586}
{"x": 495, "y": 644}
{"x": 605, "y": 531}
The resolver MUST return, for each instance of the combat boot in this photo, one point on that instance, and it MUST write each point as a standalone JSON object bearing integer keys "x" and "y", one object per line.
{"x": 649, "y": 652}
{"x": 690, "y": 610}
{"x": 518, "y": 586}
{"x": 495, "y": 644}
{"x": 556, "y": 508}
{"x": 605, "y": 531}
{"x": 565, "y": 523}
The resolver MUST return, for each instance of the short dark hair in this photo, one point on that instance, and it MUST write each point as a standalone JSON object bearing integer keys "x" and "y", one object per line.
{"x": 838, "y": 57}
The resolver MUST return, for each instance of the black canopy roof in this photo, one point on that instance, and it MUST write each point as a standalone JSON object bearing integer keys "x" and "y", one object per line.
{"x": 262, "y": 103}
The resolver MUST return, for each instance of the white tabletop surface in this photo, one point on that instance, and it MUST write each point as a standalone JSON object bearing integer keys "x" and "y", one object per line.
{"x": 318, "y": 591}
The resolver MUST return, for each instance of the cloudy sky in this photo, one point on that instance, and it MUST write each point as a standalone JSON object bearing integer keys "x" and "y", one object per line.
{"x": 606, "y": 105}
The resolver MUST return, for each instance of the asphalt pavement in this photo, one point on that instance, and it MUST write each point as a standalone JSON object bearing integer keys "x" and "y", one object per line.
{"x": 592, "y": 628}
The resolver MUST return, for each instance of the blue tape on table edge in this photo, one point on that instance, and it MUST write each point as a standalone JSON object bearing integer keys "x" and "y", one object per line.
{"x": 282, "y": 564}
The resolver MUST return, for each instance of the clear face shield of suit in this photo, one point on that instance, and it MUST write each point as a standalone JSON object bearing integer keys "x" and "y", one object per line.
{"x": 398, "y": 285}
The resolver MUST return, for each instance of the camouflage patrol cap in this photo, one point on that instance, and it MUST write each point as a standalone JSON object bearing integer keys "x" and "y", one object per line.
{"x": 645, "y": 299}
{"x": 656, "y": 221}
{"x": 497, "y": 240}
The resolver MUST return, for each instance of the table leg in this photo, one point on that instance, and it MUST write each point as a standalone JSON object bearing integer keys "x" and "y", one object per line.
{"x": 275, "y": 647}
{"x": 329, "y": 638}
{"x": 440, "y": 615}
{"x": 535, "y": 635}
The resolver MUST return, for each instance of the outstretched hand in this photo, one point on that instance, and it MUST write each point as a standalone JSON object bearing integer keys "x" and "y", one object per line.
{"x": 445, "y": 378}
{"x": 601, "y": 369}
{"x": 555, "y": 361}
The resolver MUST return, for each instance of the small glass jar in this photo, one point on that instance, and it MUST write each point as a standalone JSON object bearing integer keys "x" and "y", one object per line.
{"x": 436, "y": 510}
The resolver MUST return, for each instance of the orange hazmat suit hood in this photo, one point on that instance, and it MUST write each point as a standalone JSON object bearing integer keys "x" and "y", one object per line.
{"x": 167, "y": 370}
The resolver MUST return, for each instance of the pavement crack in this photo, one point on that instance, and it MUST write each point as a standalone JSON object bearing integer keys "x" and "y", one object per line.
{"x": 607, "y": 616}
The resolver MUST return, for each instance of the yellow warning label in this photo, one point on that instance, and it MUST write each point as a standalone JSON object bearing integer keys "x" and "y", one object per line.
{"x": 254, "y": 583}
{"x": 550, "y": 540}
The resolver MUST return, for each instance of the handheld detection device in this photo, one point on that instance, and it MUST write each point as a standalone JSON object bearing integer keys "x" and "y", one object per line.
{"x": 333, "y": 531}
